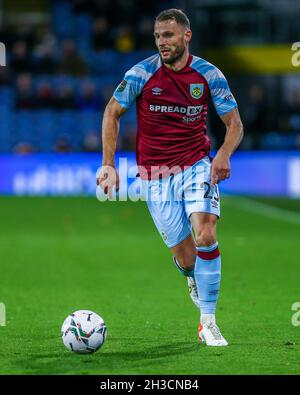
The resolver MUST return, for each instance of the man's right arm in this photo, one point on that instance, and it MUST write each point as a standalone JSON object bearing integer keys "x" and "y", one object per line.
{"x": 108, "y": 176}
{"x": 110, "y": 131}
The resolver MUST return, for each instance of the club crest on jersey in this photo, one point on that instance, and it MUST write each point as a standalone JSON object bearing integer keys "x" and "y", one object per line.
{"x": 196, "y": 90}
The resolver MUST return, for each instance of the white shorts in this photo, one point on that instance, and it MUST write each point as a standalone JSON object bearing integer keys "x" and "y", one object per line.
{"x": 171, "y": 200}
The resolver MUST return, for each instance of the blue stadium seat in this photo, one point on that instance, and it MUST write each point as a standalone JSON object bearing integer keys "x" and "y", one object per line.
{"x": 102, "y": 62}
{"x": 67, "y": 125}
{"x": 45, "y": 126}
{"x": 84, "y": 47}
{"x": 5, "y": 144}
{"x": 63, "y": 79}
{"x": 36, "y": 80}
{"x": 25, "y": 127}
{"x": 103, "y": 81}
{"x": 7, "y": 97}
{"x": 82, "y": 26}
{"x": 62, "y": 18}
{"x": 89, "y": 120}
{"x": 6, "y": 129}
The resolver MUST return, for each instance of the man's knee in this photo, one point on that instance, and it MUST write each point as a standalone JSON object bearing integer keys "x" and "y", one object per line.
{"x": 206, "y": 236}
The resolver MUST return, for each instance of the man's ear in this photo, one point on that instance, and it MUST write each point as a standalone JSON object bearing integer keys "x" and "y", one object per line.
{"x": 188, "y": 35}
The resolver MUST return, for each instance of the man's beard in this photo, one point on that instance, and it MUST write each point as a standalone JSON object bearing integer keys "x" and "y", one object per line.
{"x": 174, "y": 57}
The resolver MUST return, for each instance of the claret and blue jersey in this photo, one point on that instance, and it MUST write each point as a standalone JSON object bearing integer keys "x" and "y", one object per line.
{"x": 172, "y": 109}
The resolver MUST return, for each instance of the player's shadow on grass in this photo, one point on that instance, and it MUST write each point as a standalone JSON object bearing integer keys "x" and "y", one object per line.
{"x": 69, "y": 363}
{"x": 154, "y": 352}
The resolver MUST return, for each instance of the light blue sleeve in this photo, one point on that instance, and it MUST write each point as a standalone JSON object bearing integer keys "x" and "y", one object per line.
{"x": 221, "y": 95}
{"x": 130, "y": 87}
{"x": 135, "y": 79}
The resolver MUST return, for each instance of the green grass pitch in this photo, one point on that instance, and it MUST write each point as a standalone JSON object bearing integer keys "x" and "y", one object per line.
{"x": 58, "y": 255}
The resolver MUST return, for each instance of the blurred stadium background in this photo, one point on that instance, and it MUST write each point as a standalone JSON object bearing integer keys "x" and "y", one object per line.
{"x": 64, "y": 59}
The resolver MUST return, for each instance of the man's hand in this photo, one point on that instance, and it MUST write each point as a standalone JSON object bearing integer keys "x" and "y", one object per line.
{"x": 107, "y": 179}
{"x": 220, "y": 168}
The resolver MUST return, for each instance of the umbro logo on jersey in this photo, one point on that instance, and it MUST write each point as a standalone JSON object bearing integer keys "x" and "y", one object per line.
{"x": 228, "y": 97}
{"x": 156, "y": 91}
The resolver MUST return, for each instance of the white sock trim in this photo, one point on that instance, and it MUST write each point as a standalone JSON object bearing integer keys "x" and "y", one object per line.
{"x": 208, "y": 248}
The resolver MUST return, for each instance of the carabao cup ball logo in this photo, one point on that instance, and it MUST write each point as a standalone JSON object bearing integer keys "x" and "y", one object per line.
{"x": 196, "y": 90}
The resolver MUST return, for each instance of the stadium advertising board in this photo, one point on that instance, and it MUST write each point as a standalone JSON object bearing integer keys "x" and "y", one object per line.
{"x": 260, "y": 173}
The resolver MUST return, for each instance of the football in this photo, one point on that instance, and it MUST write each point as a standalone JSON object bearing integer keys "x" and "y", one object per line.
{"x": 83, "y": 332}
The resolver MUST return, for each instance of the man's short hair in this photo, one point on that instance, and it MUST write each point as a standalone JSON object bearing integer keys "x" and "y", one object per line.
{"x": 173, "y": 13}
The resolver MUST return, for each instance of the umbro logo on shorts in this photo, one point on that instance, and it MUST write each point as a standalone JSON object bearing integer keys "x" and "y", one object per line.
{"x": 164, "y": 236}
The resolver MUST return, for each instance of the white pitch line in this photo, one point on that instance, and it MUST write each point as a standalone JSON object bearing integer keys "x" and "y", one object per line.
{"x": 263, "y": 209}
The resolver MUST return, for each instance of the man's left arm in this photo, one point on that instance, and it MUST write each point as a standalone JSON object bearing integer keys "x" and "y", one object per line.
{"x": 220, "y": 169}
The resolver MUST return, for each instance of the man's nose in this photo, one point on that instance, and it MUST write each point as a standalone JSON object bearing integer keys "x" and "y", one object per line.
{"x": 161, "y": 41}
